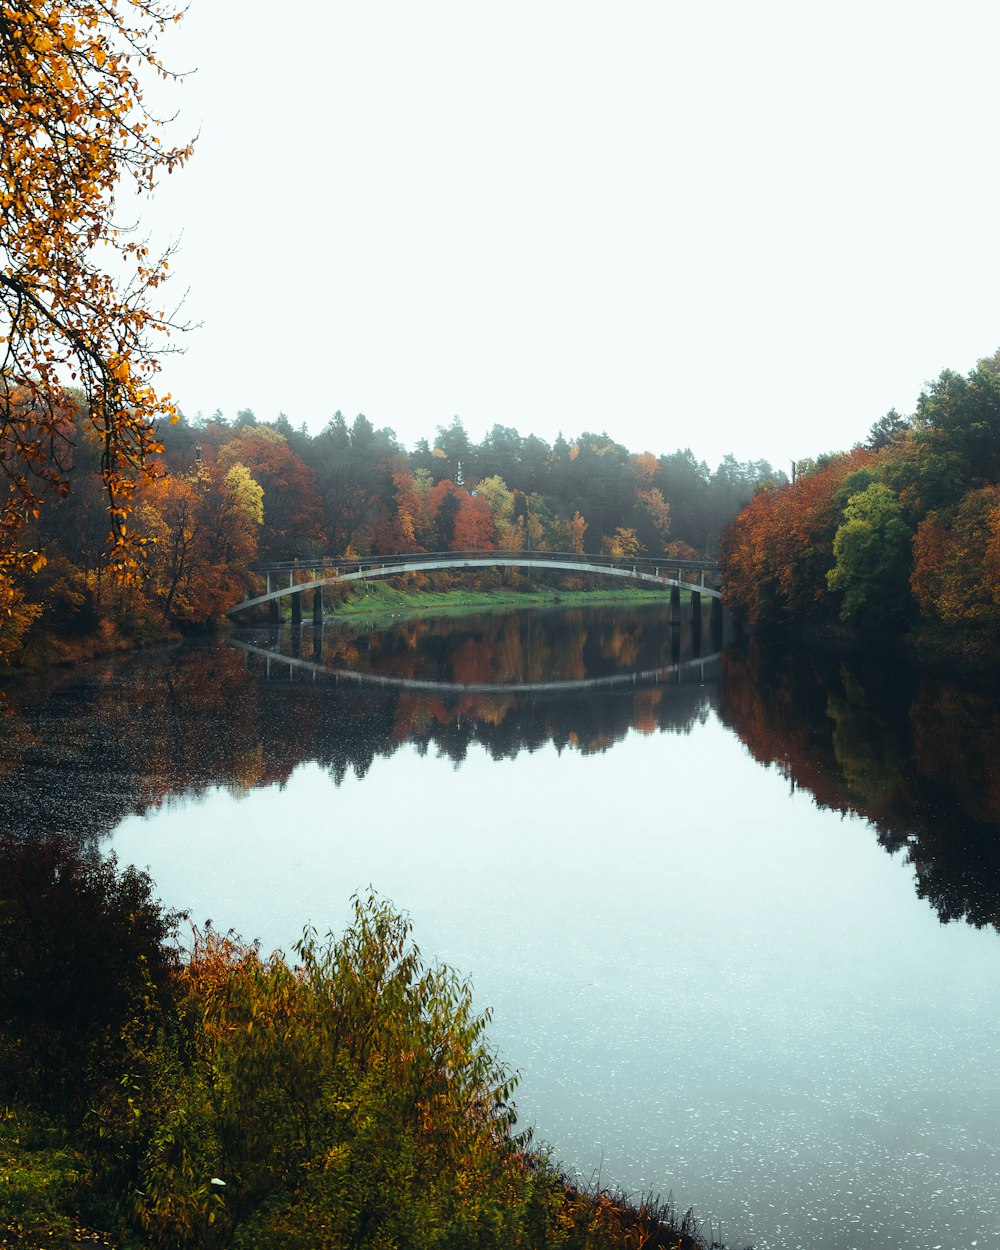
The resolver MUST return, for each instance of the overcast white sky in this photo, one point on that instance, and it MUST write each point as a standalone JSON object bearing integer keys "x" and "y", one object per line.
{"x": 734, "y": 226}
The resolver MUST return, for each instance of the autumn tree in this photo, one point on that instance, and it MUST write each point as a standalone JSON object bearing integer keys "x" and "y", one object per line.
{"x": 205, "y": 524}
{"x": 500, "y": 501}
{"x": 575, "y": 530}
{"x": 410, "y": 509}
{"x": 623, "y": 544}
{"x": 474, "y": 528}
{"x": 777, "y": 554}
{"x": 444, "y": 503}
{"x": 956, "y": 575}
{"x": 80, "y": 298}
{"x": 930, "y": 553}
{"x": 292, "y": 504}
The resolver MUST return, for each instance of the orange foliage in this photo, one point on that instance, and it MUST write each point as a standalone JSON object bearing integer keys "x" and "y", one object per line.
{"x": 623, "y": 544}
{"x": 658, "y": 509}
{"x": 410, "y": 510}
{"x": 474, "y": 528}
{"x": 645, "y": 466}
{"x": 205, "y": 526}
{"x": 777, "y": 552}
{"x": 73, "y": 126}
{"x": 930, "y": 547}
{"x": 463, "y": 522}
{"x": 575, "y": 531}
{"x": 293, "y": 510}
{"x": 956, "y": 575}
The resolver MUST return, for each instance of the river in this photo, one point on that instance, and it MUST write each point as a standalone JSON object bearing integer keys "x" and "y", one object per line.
{"x": 735, "y": 913}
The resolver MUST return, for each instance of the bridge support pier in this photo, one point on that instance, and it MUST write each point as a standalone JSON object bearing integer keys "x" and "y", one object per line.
{"x": 696, "y": 621}
{"x": 273, "y": 610}
{"x": 675, "y": 605}
{"x": 296, "y": 607}
{"x": 317, "y": 604}
{"x": 715, "y": 622}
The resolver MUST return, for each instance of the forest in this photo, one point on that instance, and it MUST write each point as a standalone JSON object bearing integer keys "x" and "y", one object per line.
{"x": 226, "y": 496}
{"x": 898, "y": 535}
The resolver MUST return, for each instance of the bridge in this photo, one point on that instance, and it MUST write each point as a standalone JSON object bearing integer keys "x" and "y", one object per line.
{"x": 294, "y": 578}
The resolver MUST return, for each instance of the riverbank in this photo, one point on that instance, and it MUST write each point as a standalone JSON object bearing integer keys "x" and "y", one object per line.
{"x": 51, "y": 649}
{"x": 48, "y": 1182}
{"x": 379, "y": 598}
{"x": 344, "y": 1095}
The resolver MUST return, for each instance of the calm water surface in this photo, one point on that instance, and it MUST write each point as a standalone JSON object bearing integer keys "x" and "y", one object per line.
{"x": 704, "y": 895}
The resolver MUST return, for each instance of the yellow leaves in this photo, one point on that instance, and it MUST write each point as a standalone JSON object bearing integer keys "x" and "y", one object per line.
{"x": 72, "y": 124}
{"x": 119, "y": 367}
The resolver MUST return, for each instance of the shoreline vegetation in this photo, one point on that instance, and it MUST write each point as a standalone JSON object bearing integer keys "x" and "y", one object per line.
{"x": 897, "y": 539}
{"x": 343, "y": 1096}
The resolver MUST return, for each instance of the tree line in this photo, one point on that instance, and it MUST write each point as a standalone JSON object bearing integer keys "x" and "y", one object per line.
{"x": 898, "y": 533}
{"x": 111, "y": 521}
{"x": 229, "y": 495}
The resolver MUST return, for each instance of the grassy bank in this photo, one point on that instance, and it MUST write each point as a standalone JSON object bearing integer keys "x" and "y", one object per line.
{"x": 48, "y": 1188}
{"x": 379, "y": 598}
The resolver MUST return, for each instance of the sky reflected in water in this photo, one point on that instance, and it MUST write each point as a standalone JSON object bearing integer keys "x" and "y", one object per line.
{"x": 714, "y": 980}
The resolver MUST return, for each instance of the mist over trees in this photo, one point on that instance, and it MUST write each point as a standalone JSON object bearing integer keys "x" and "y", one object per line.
{"x": 230, "y": 495}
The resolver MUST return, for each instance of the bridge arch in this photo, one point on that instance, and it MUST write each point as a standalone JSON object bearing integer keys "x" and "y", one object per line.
{"x": 303, "y": 576}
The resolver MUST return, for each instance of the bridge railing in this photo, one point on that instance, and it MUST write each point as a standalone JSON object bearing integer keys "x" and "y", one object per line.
{"x": 357, "y": 564}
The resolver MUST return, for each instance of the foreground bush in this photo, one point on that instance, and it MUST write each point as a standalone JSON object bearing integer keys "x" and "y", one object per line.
{"x": 87, "y": 960}
{"x": 347, "y": 1100}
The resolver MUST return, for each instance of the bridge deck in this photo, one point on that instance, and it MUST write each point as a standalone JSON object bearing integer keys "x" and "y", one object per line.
{"x": 328, "y": 572}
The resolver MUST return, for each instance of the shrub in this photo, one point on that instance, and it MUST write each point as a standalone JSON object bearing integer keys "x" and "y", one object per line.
{"x": 85, "y": 956}
{"x": 348, "y": 1100}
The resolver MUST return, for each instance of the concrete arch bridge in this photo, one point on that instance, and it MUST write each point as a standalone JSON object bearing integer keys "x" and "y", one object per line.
{"x": 295, "y": 578}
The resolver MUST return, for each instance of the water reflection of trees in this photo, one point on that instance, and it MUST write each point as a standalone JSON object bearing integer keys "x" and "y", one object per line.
{"x": 86, "y": 753}
{"x": 916, "y": 755}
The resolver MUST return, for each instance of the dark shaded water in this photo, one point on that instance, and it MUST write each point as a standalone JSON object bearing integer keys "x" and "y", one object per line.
{"x": 704, "y": 894}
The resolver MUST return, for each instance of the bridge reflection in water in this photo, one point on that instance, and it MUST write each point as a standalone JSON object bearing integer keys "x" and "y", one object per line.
{"x": 532, "y": 651}
{"x": 694, "y": 669}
